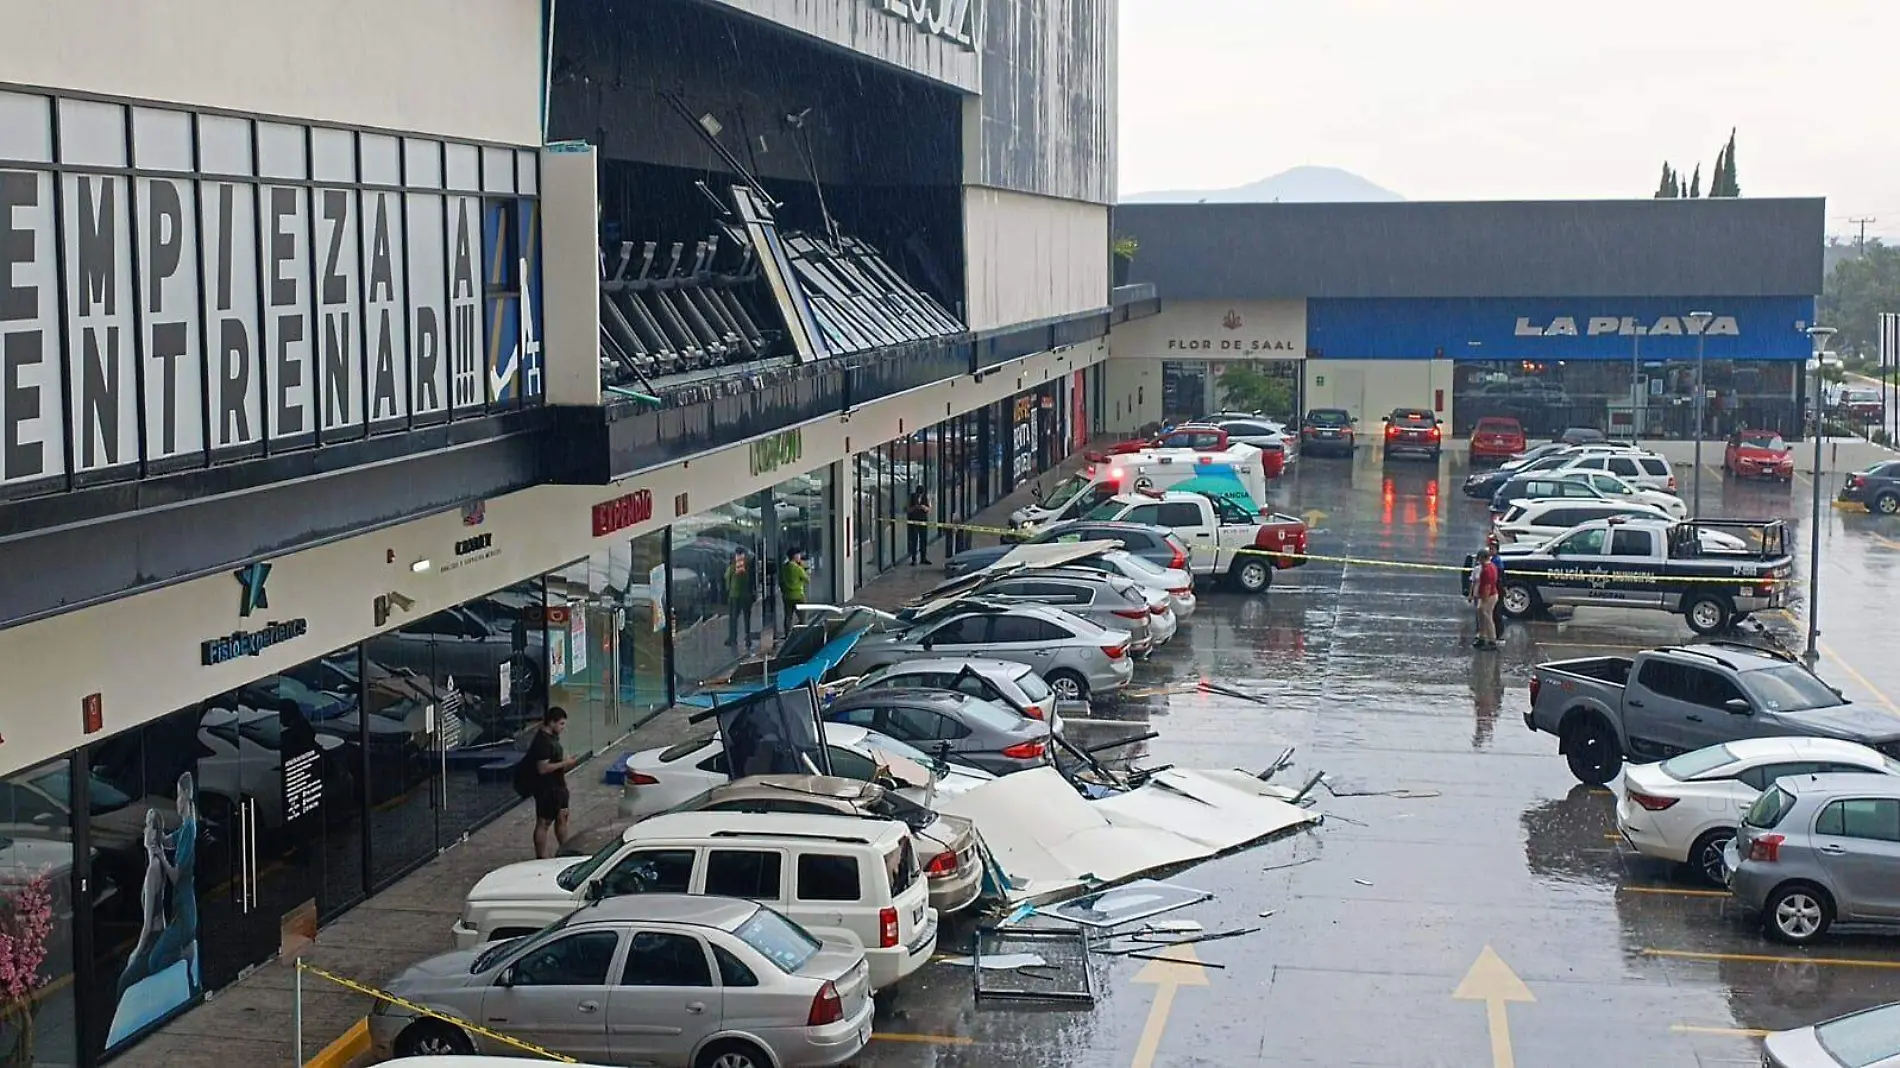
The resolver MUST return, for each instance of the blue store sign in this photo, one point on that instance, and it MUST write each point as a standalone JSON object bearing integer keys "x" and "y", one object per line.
{"x": 1596, "y": 328}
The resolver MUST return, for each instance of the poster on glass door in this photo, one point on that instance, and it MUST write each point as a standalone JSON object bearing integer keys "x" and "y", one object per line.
{"x": 163, "y": 974}
{"x": 577, "y": 643}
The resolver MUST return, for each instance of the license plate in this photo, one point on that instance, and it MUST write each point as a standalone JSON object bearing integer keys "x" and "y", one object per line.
{"x": 917, "y": 917}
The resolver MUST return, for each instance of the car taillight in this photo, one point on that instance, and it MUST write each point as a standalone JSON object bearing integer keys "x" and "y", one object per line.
{"x": 1114, "y": 652}
{"x": 1033, "y": 711}
{"x": 1182, "y": 591}
{"x": 1391, "y": 432}
{"x": 1179, "y": 563}
{"x": 641, "y": 778}
{"x": 1767, "y": 848}
{"x": 1434, "y": 433}
{"x": 941, "y": 865}
{"x": 886, "y": 928}
{"x": 1651, "y": 802}
{"x": 826, "y": 1006}
{"x": 1536, "y": 685}
{"x": 1672, "y": 483}
{"x": 1132, "y": 613}
{"x": 1157, "y": 609}
{"x": 1024, "y": 751}
{"x": 1855, "y": 481}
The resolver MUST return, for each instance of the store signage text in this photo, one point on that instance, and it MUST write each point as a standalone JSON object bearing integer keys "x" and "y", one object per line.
{"x": 623, "y": 512}
{"x": 251, "y": 643}
{"x": 1627, "y": 326}
{"x": 770, "y": 454}
{"x": 150, "y": 315}
{"x": 474, "y": 545}
{"x": 953, "y": 20}
{"x": 1231, "y": 344}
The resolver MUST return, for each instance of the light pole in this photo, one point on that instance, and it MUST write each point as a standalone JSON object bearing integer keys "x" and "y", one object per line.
{"x": 1818, "y": 336}
{"x": 1701, "y": 319}
{"x": 1636, "y": 374}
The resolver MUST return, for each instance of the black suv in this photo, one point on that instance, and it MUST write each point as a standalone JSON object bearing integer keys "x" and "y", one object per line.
{"x": 1327, "y": 431}
{"x": 1415, "y": 431}
{"x": 1878, "y": 488}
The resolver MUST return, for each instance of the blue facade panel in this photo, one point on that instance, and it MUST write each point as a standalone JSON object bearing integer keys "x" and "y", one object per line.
{"x": 1597, "y": 328}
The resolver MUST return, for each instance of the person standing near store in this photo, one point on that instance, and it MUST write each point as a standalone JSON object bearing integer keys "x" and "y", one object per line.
{"x": 549, "y": 764}
{"x": 794, "y": 581}
{"x": 741, "y": 594}
{"x": 1484, "y": 598}
{"x": 918, "y": 513}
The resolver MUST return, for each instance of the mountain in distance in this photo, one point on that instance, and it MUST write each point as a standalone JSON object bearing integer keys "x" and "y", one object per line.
{"x": 1301, "y": 185}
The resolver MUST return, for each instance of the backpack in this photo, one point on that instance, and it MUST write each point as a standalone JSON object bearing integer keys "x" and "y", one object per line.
{"x": 525, "y": 774}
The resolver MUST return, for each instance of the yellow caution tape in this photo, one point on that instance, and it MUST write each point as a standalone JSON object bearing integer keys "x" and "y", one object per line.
{"x": 420, "y": 1010}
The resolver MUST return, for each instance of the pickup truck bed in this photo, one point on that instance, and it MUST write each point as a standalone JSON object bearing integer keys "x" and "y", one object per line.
{"x": 1611, "y": 669}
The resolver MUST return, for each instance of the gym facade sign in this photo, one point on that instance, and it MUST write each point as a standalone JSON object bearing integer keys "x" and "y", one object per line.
{"x": 178, "y": 289}
{"x": 1558, "y": 328}
{"x": 1629, "y": 326}
{"x": 952, "y": 20}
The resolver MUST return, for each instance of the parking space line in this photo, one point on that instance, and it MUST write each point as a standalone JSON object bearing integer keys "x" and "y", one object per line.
{"x": 1738, "y": 1032}
{"x": 1858, "y": 677}
{"x": 1770, "y": 958}
{"x": 922, "y": 1040}
{"x": 1675, "y": 891}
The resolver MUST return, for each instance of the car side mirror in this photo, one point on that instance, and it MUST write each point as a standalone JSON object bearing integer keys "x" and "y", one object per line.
{"x": 929, "y": 643}
{"x": 596, "y": 890}
{"x": 1738, "y": 707}
{"x": 1385, "y": 419}
{"x": 1036, "y": 492}
{"x": 507, "y": 977}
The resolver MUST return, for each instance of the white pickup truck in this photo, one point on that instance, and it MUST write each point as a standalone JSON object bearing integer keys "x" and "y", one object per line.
{"x": 1224, "y": 537}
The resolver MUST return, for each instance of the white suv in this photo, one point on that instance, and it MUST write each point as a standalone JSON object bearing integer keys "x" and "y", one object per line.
{"x": 1536, "y": 522}
{"x": 840, "y": 877}
{"x": 1646, "y": 469}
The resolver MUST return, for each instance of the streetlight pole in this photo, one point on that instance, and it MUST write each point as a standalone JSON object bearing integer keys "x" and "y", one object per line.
{"x": 1818, "y": 335}
{"x": 1701, "y": 320}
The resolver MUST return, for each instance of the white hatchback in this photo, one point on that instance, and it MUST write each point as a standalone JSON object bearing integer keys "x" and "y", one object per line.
{"x": 1685, "y": 809}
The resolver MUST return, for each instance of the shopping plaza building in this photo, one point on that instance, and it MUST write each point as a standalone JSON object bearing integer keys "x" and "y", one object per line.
{"x": 1559, "y": 314}
{"x": 374, "y": 376}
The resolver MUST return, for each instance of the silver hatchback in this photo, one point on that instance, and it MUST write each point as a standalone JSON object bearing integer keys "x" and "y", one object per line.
{"x": 680, "y": 980}
{"x": 1075, "y": 657}
{"x": 1108, "y": 601}
{"x": 1816, "y": 850}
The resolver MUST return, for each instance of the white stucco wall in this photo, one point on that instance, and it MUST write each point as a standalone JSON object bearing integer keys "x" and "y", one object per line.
{"x": 1372, "y": 388}
{"x": 1215, "y": 330}
{"x": 1032, "y": 257}
{"x": 457, "y": 68}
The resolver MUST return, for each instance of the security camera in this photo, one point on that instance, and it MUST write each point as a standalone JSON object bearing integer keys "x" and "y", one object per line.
{"x": 400, "y": 601}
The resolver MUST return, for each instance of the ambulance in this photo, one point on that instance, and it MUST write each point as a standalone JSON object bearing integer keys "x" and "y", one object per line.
{"x": 1107, "y": 475}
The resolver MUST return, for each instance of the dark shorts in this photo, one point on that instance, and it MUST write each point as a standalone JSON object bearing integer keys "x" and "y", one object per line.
{"x": 549, "y": 804}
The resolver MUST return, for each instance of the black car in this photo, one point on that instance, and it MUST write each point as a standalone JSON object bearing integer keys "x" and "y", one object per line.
{"x": 1157, "y": 545}
{"x": 1877, "y": 488}
{"x": 1327, "y": 432}
{"x": 1539, "y": 485}
{"x": 1415, "y": 431}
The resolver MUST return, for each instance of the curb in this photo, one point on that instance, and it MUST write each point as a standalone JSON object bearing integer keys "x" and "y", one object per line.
{"x": 345, "y": 1049}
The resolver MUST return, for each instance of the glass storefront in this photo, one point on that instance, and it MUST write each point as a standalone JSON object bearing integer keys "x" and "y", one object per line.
{"x": 38, "y": 1018}
{"x": 1548, "y": 397}
{"x": 1191, "y": 389}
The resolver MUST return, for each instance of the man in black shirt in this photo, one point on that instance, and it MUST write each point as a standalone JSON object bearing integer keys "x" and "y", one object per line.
{"x": 551, "y": 765}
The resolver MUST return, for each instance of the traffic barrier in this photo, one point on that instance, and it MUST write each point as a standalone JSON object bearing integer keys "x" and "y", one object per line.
{"x": 419, "y": 1010}
{"x": 1415, "y": 565}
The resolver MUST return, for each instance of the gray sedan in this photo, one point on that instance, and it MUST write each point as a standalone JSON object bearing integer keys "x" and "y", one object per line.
{"x": 1002, "y": 681}
{"x": 633, "y": 980}
{"x": 1075, "y": 657}
{"x": 950, "y": 725}
{"x": 1869, "y": 1038}
{"x": 1108, "y": 601}
{"x": 1815, "y": 850}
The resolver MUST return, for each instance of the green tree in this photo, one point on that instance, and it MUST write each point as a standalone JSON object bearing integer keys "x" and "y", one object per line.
{"x": 1695, "y": 183}
{"x": 1664, "y": 188}
{"x": 1854, "y": 294}
{"x": 1725, "y": 184}
{"x": 1245, "y": 386}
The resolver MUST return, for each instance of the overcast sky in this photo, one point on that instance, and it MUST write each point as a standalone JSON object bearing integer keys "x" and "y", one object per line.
{"x": 1517, "y": 99}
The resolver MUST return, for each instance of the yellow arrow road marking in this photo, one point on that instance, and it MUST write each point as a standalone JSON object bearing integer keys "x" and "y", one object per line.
{"x": 1492, "y": 981}
{"x": 1166, "y": 977}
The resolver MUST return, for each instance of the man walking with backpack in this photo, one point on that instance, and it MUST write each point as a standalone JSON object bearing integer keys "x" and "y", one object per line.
{"x": 542, "y": 775}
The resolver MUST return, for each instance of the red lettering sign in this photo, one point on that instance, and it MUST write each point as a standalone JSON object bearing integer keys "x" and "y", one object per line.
{"x": 623, "y": 512}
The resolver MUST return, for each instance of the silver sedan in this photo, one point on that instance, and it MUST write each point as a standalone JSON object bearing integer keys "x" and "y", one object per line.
{"x": 1869, "y": 1038}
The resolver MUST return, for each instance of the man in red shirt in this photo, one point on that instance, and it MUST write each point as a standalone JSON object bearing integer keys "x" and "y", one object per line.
{"x": 1484, "y": 597}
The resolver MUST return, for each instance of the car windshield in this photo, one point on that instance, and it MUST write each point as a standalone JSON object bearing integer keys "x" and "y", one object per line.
{"x": 1697, "y": 762}
{"x": 1864, "y": 1038}
{"x": 778, "y": 940}
{"x": 574, "y": 875}
{"x": 1789, "y": 689}
{"x": 1769, "y": 808}
{"x": 1032, "y": 686}
{"x": 884, "y": 743}
{"x": 1497, "y": 426}
{"x": 1066, "y": 491}
{"x": 1764, "y": 441}
{"x": 684, "y": 749}
{"x": 1108, "y": 509}
{"x": 1326, "y": 418}
{"x": 492, "y": 955}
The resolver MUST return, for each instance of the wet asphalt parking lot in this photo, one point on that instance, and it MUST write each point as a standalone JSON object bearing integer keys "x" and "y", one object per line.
{"x": 1456, "y": 834}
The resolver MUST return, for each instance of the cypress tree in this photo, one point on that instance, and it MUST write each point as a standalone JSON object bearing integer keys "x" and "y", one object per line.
{"x": 1662, "y": 187}
{"x": 1695, "y": 183}
{"x": 1730, "y": 186}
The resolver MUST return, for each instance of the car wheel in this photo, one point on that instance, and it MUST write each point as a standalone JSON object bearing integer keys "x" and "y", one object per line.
{"x": 1518, "y": 600}
{"x": 1252, "y": 574}
{"x": 1594, "y": 756}
{"x": 1705, "y": 856}
{"x": 732, "y": 1053}
{"x": 1797, "y": 913}
{"x": 433, "y": 1038}
{"x": 1068, "y": 685}
{"x": 1708, "y": 615}
{"x": 1886, "y": 504}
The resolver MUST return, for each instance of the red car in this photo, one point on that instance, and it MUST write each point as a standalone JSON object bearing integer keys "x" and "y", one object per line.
{"x": 1758, "y": 454}
{"x": 1496, "y": 439}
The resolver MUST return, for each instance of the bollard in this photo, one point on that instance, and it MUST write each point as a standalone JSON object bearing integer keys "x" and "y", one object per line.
{"x": 296, "y": 1016}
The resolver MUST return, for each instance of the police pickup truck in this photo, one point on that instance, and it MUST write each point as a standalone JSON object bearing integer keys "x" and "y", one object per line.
{"x": 1712, "y": 572}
